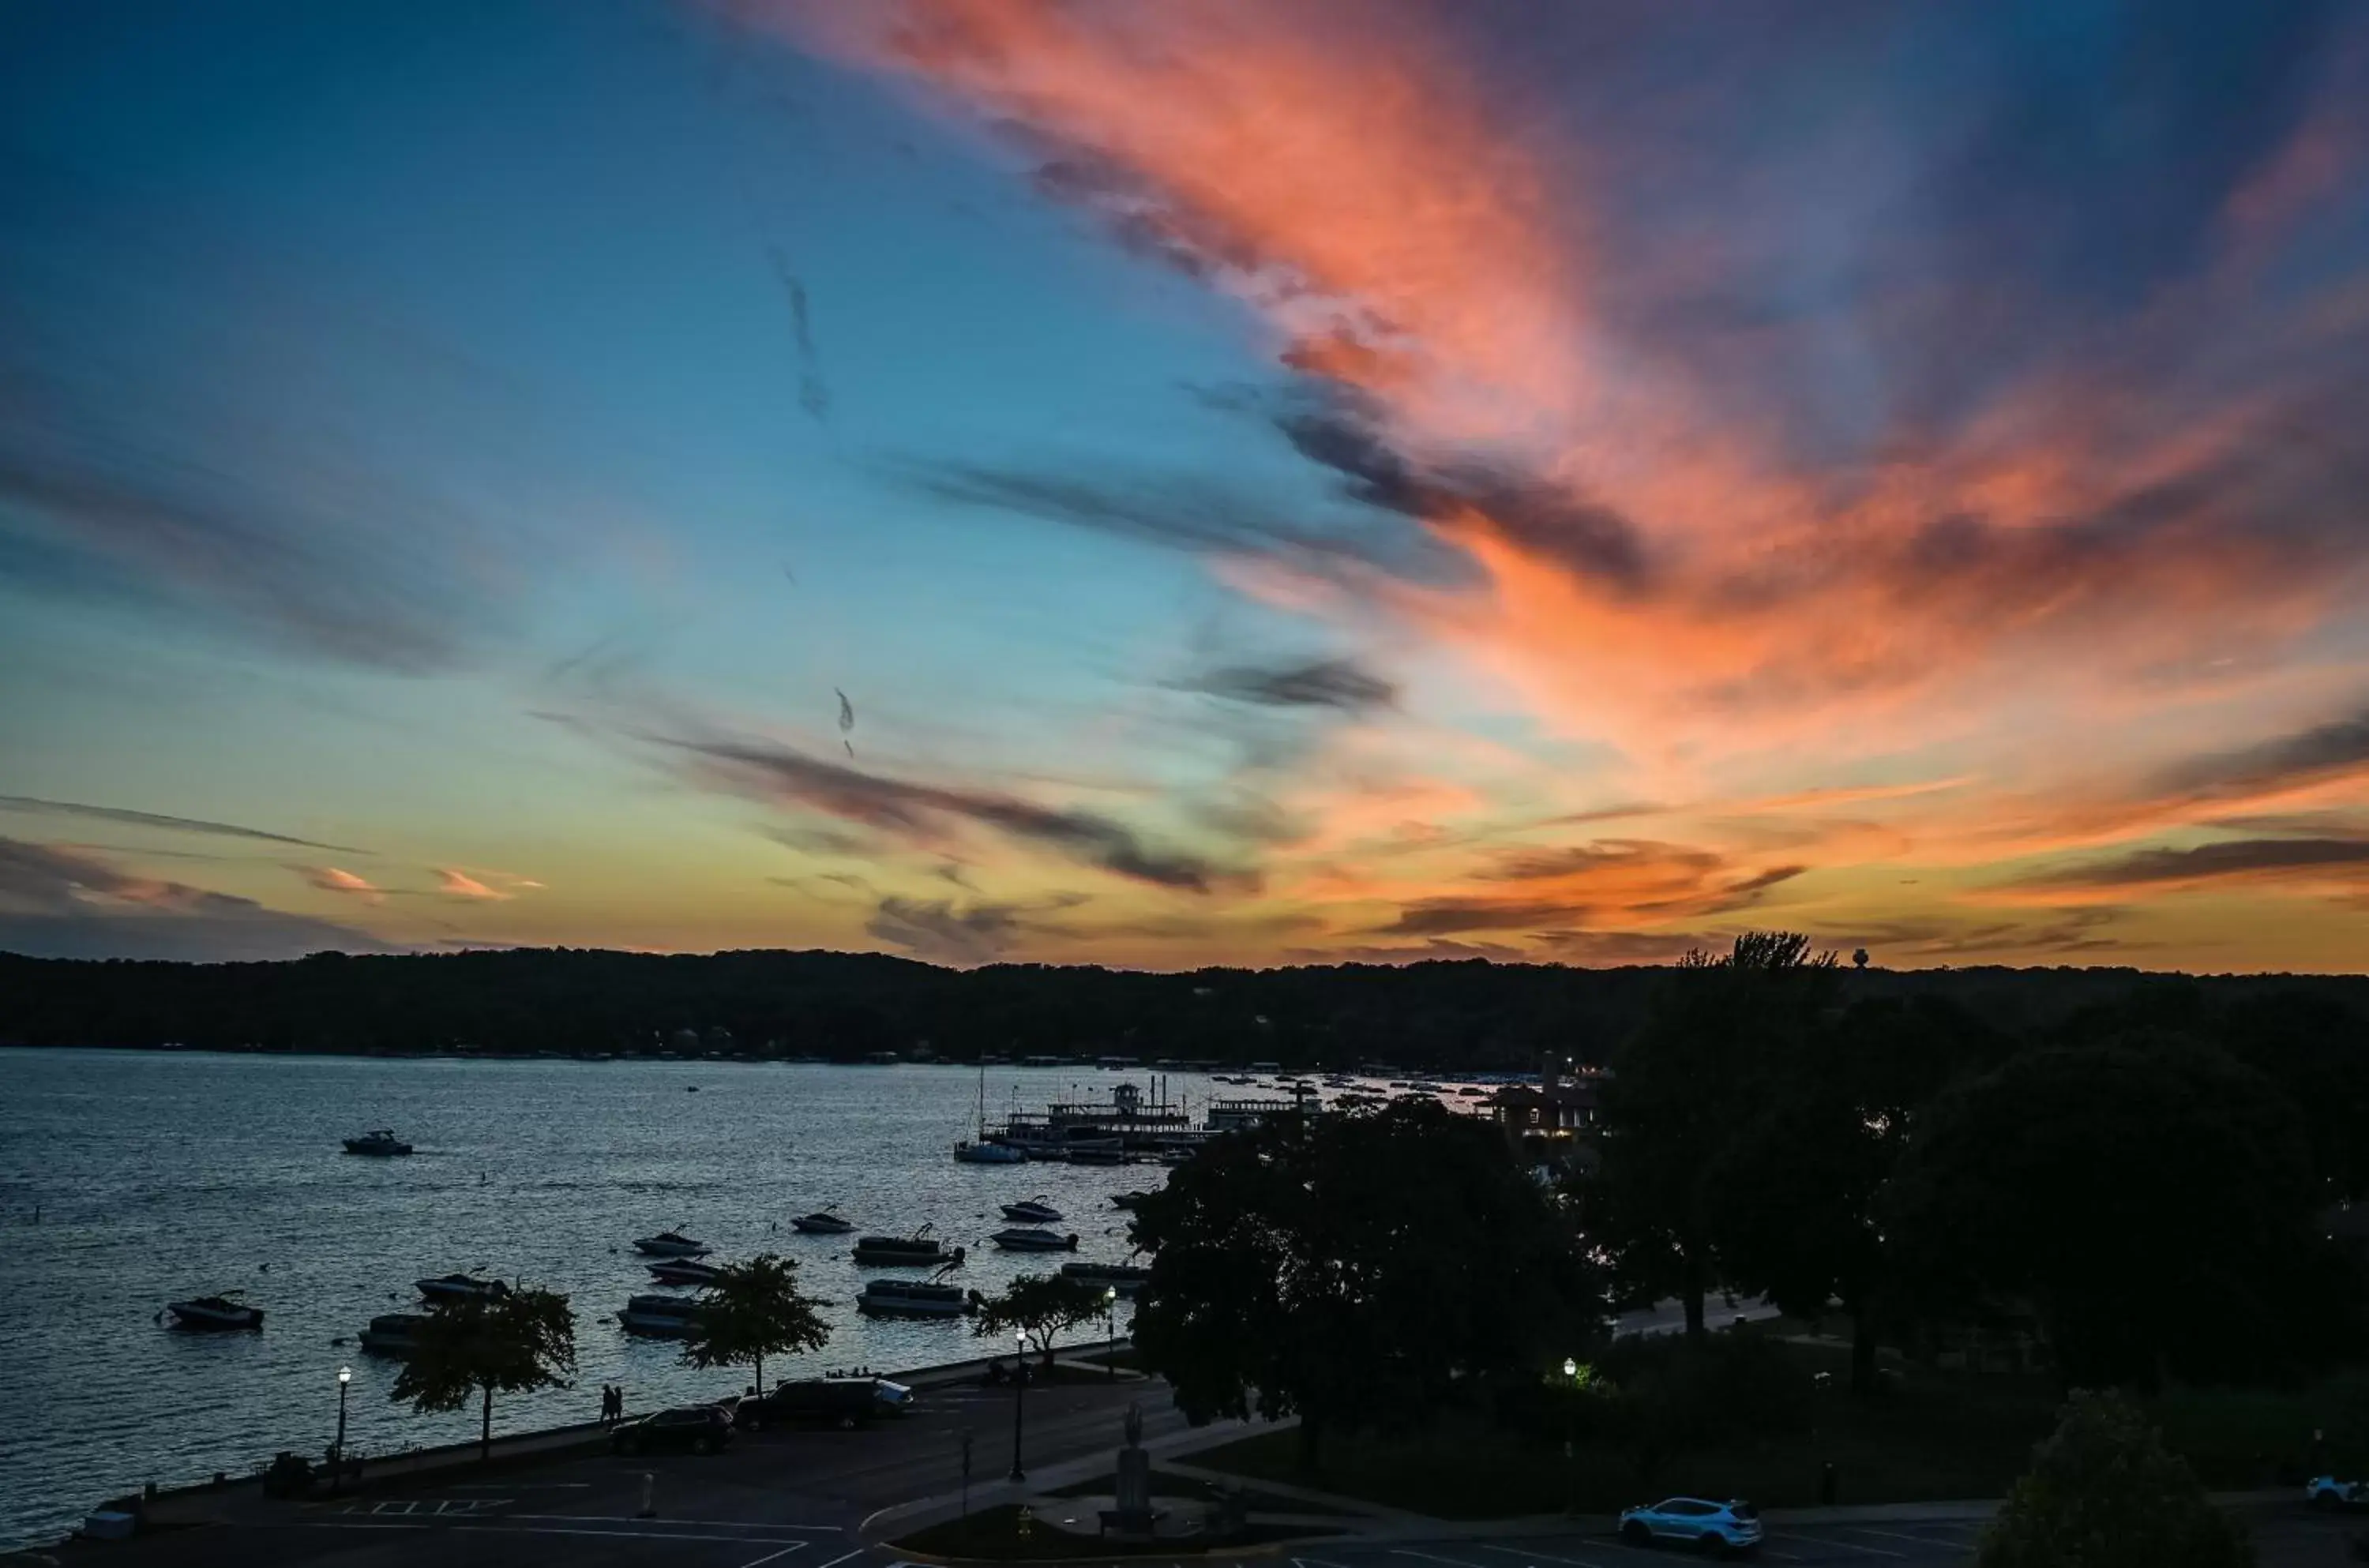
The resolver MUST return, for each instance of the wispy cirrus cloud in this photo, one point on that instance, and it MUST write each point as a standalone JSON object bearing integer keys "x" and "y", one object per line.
{"x": 30, "y": 806}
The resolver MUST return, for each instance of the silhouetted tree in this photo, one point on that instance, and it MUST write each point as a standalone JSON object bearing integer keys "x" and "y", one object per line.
{"x": 1041, "y": 1306}
{"x": 475, "y": 1346}
{"x": 752, "y": 1311}
{"x": 2103, "y": 1493}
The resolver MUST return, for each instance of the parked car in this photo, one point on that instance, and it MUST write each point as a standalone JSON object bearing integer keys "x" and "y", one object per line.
{"x": 2326, "y": 1492}
{"x": 701, "y": 1428}
{"x": 1718, "y": 1527}
{"x": 843, "y": 1403}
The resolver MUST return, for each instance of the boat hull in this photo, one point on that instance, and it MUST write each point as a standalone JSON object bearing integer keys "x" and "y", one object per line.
{"x": 208, "y": 1320}
{"x": 812, "y": 1225}
{"x": 656, "y": 1249}
{"x": 1034, "y": 1241}
{"x": 655, "y": 1325}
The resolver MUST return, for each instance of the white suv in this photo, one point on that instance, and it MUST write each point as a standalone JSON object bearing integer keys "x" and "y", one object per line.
{"x": 1732, "y": 1526}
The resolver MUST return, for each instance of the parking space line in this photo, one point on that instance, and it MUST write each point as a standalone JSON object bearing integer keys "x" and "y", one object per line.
{"x": 1893, "y": 1535}
{"x": 1320, "y": 1562}
{"x": 706, "y": 1523}
{"x": 1427, "y": 1557}
{"x": 1851, "y": 1546}
{"x": 1540, "y": 1556}
{"x": 760, "y": 1561}
{"x": 842, "y": 1557}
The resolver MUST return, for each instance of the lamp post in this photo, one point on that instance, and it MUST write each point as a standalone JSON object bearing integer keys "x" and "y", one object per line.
{"x": 1019, "y": 1391}
{"x": 1110, "y": 1330}
{"x": 337, "y": 1462}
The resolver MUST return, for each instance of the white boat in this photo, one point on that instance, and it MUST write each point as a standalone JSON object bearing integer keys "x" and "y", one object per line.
{"x": 1027, "y": 1238}
{"x": 671, "y": 1245}
{"x": 380, "y": 1141}
{"x": 392, "y": 1334}
{"x": 459, "y": 1287}
{"x": 223, "y": 1312}
{"x": 918, "y": 1249}
{"x": 982, "y": 1153}
{"x": 822, "y": 1223}
{"x": 684, "y": 1271}
{"x": 1035, "y": 1211}
{"x": 660, "y": 1316}
{"x": 914, "y": 1298}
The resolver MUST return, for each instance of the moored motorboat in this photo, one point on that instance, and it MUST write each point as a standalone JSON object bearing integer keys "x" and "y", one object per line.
{"x": 914, "y": 1298}
{"x": 1035, "y": 1211}
{"x": 392, "y": 1334}
{"x": 671, "y": 1245}
{"x": 223, "y": 1312}
{"x": 983, "y": 1151}
{"x": 1127, "y": 1200}
{"x": 379, "y": 1141}
{"x": 684, "y": 1271}
{"x": 660, "y": 1316}
{"x": 459, "y": 1287}
{"x": 1124, "y": 1279}
{"x": 918, "y": 1249}
{"x": 822, "y": 1223}
{"x": 1028, "y": 1239}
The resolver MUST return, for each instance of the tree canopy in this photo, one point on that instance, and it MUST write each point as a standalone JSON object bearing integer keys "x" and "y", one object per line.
{"x": 1042, "y": 1306}
{"x": 1351, "y": 1270}
{"x": 475, "y": 1346}
{"x": 752, "y": 1311}
{"x": 2102, "y": 1493}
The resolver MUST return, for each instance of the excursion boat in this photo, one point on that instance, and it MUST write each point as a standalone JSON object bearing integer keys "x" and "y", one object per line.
{"x": 380, "y": 1141}
{"x": 1035, "y": 1211}
{"x": 223, "y": 1311}
{"x": 671, "y": 1245}
{"x": 684, "y": 1271}
{"x": 914, "y": 1298}
{"x": 1124, "y": 1279}
{"x": 1028, "y": 1239}
{"x": 460, "y": 1288}
{"x": 822, "y": 1223}
{"x": 920, "y": 1249}
{"x": 982, "y": 1153}
{"x": 660, "y": 1316}
{"x": 392, "y": 1334}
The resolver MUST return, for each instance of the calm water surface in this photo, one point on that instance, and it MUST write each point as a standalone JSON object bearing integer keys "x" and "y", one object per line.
{"x": 159, "y": 1175}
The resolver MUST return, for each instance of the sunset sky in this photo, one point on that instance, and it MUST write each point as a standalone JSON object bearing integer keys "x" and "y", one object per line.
{"x": 1187, "y": 483}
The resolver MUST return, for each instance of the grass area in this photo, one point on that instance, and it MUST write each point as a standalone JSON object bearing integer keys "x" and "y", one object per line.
{"x": 1936, "y": 1435}
{"x": 1164, "y": 1484}
{"x": 1009, "y": 1534}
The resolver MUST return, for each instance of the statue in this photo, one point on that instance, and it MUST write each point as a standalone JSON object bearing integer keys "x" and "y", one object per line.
{"x": 1135, "y": 1514}
{"x": 1133, "y": 1425}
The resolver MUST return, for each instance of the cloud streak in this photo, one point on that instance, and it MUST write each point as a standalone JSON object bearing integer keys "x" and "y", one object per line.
{"x": 32, "y": 805}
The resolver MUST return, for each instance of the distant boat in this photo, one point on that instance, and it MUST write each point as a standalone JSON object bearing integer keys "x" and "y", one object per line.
{"x": 1035, "y": 1211}
{"x": 1027, "y": 1239}
{"x": 460, "y": 1288}
{"x": 660, "y": 1316}
{"x": 918, "y": 1249}
{"x": 986, "y": 1153}
{"x": 1124, "y": 1279}
{"x": 685, "y": 1271}
{"x": 392, "y": 1334}
{"x": 1112, "y": 1153}
{"x": 381, "y": 1141}
{"x": 671, "y": 1245}
{"x": 822, "y": 1223}
{"x": 1127, "y": 1200}
{"x": 215, "y": 1313}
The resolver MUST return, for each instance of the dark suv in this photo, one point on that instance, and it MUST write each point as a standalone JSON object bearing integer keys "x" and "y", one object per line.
{"x": 843, "y": 1403}
{"x": 701, "y": 1428}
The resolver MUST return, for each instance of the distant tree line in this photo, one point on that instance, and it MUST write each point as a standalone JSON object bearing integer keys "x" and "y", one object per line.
{"x": 1467, "y": 1015}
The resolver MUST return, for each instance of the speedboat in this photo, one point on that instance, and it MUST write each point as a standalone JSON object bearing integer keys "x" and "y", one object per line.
{"x": 914, "y": 1298}
{"x": 822, "y": 1223}
{"x": 392, "y": 1334}
{"x": 1028, "y": 1239}
{"x": 1035, "y": 1211}
{"x": 460, "y": 1288}
{"x": 918, "y": 1249}
{"x": 214, "y": 1312}
{"x": 1124, "y": 1279}
{"x": 660, "y": 1316}
{"x": 684, "y": 1271}
{"x": 671, "y": 1245}
{"x": 381, "y": 1141}
{"x": 985, "y": 1154}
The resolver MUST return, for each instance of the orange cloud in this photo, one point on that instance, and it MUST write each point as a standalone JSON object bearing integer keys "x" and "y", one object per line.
{"x": 333, "y": 879}
{"x": 461, "y": 885}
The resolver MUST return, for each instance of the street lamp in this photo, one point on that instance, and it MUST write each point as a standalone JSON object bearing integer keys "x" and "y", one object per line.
{"x": 1110, "y": 1330}
{"x": 1570, "y": 1367}
{"x": 1019, "y": 1388}
{"x": 337, "y": 1462}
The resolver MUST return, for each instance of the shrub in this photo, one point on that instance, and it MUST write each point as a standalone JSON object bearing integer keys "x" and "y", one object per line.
{"x": 2103, "y": 1493}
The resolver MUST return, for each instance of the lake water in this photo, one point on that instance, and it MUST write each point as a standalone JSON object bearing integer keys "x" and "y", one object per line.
{"x": 160, "y": 1175}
